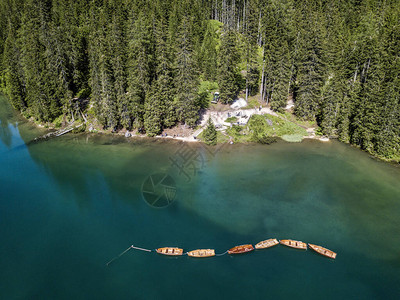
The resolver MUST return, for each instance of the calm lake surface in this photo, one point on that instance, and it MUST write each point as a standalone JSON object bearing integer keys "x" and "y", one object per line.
{"x": 71, "y": 204}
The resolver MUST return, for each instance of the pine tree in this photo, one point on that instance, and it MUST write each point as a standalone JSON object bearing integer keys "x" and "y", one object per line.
{"x": 209, "y": 54}
{"x": 310, "y": 66}
{"x": 277, "y": 53}
{"x": 164, "y": 82}
{"x": 33, "y": 60}
{"x": 102, "y": 84}
{"x": 159, "y": 109}
{"x": 228, "y": 74}
{"x": 153, "y": 112}
{"x": 139, "y": 69}
{"x": 251, "y": 49}
{"x": 13, "y": 76}
{"x": 210, "y": 133}
{"x": 186, "y": 79}
{"x": 117, "y": 45}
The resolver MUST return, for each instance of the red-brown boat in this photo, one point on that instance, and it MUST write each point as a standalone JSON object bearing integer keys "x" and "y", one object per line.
{"x": 241, "y": 249}
{"x": 173, "y": 251}
{"x": 294, "y": 244}
{"x": 323, "y": 251}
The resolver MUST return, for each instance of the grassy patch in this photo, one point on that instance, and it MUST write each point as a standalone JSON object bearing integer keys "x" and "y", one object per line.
{"x": 221, "y": 138}
{"x": 265, "y": 128}
{"x": 291, "y": 117}
{"x": 238, "y": 133}
{"x": 206, "y": 93}
{"x": 274, "y": 126}
{"x": 231, "y": 120}
{"x": 252, "y": 101}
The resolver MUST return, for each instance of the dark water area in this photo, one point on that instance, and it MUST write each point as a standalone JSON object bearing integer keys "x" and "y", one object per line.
{"x": 71, "y": 204}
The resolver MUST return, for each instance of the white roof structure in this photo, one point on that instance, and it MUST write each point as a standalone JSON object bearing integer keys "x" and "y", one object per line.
{"x": 239, "y": 103}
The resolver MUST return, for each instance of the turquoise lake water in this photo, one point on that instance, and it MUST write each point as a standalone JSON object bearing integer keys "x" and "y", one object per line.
{"x": 71, "y": 204}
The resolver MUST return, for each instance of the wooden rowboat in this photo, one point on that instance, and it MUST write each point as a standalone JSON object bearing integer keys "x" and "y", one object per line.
{"x": 201, "y": 253}
{"x": 241, "y": 249}
{"x": 267, "y": 244}
{"x": 323, "y": 251}
{"x": 294, "y": 244}
{"x": 173, "y": 251}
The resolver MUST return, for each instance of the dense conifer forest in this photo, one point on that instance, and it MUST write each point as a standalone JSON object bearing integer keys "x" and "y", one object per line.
{"x": 149, "y": 63}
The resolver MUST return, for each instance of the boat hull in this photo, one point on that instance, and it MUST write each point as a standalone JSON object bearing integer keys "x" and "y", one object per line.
{"x": 241, "y": 249}
{"x": 171, "y": 251}
{"x": 294, "y": 244}
{"x": 201, "y": 253}
{"x": 267, "y": 244}
{"x": 323, "y": 251}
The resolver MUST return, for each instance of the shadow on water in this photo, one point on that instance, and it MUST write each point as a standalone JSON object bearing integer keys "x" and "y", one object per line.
{"x": 6, "y": 120}
{"x": 16, "y": 133}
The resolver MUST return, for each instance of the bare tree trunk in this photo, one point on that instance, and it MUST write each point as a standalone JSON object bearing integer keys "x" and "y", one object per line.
{"x": 224, "y": 12}
{"x": 262, "y": 78}
{"x": 272, "y": 90}
{"x": 232, "y": 15}
{"x": 264, "y": 91}
{"x": 366, "y": 71}
{"x": 83, "y": 116}
{"x": 247, "y": 82}
{"x": 247, "y": 73}
{"x": 259, "y": 30}
{"x": 292, "y": 67}
{"x": 355, "y": 74}
{"x": 244, "y": 15}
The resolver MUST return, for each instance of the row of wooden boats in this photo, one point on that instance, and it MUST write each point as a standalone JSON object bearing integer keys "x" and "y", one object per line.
{"x": 175, "y": 251}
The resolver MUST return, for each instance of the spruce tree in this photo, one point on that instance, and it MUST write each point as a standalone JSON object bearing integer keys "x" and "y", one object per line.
{"x": 13, "y": 75}
{"x": 228, "y": 74}
{"x": 102, "y": 81}
{"x": 153, "y": 112}
{"x": 251, "y": 49}
{"x": 164, "y": 77}
{"x": 139, "y": 69}
{"x": 33, "y": 24}
{"x": 310, "y": 66}
{"x": 277, "y": 39}
{"x": 209, "y": 54}
{"x": 210, "y": 133}
{"x": 186, "y": 77}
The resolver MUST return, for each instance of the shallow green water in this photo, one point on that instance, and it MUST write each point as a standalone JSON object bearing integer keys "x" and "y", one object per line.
{"x": 69, "y": 205}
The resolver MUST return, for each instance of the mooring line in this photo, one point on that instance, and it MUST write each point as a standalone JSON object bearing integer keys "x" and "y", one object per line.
{"x": 222, "y": 253}
{"x": 141, "y": 249}
{"x": 119, "y": 255}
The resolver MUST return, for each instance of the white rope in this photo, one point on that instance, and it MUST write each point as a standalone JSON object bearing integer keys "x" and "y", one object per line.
{"x": 119, "y": 255}
{"x": 141, "y": 249}
{"x": 222, "y": 253}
